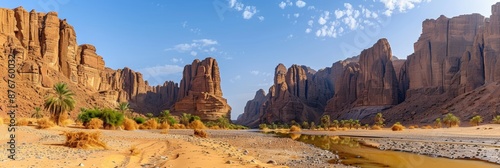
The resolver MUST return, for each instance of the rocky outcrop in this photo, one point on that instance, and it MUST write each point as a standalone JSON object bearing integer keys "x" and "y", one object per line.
{"x": 47, "y": 52}
{"x": 438, "y": 51}
{"x": 253, "y": 109}
{"x": 200, "y": 92}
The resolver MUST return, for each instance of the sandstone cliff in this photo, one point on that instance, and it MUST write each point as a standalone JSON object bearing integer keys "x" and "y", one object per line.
{"x": 200, "y": 92}
{"x": 47, "y": 52}
{"x": 253, "y": 109}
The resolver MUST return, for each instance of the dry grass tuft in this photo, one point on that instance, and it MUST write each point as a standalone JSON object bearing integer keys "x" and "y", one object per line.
{"x": 67, "y": 122}
{"x": 22, "y": 122}
{"x": 411, "y": 127}
{"x": 150, "y": 124}
{"x": 129, "y": 124}
{"x": 84, "y": 140}
{"x": 215, "y": 127}
{"x": 200, "y": 133}
{"x": 94, "y": 123}
{"x": 164, "y": 125}
{"x": 332, "y": 129}
{"x": 44, "y": 123}
{"x": 294, "y": 129}
{"x": 397, "y": 127}
{"x": 427, "y": 127}
{"x": 197, "y": 124}
{"x": 179, "y": 126}
{"x": 134, "y": 151}
{"x": 376, "y": 127}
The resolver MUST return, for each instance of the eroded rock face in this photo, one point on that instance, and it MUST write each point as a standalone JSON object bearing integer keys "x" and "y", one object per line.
{"x": 47, "y": 52}
{"x": 253, "y": 109}
{"x": 200, "y": 92}
{"x": 299, "y": 93}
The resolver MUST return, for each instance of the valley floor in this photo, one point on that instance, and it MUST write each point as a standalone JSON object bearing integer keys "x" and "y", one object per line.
{"x": 230, "y": 148}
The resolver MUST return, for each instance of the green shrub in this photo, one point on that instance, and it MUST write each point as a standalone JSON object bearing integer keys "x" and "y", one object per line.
{"x": 262, "y": 126}
{"x": 87, "y": 114}
{"x": 139, "y": 120}
{"x": 496, "y": 120}
{"x": 165, "y": 116}
{"x": 451, "y": 120}
{"x": 476, "y": 120}
{"x": 112, "y": 117}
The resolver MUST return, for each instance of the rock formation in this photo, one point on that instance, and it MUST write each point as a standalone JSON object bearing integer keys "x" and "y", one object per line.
{"x": 253, "y": 110}
{"x": 200, "y": 92}
{"x": 47, "y": 52}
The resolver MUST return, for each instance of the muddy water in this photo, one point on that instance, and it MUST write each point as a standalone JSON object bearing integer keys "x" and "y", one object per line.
{"x": 351, "y": 152}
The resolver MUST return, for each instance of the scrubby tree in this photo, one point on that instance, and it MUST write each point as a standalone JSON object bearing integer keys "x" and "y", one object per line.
{"x": 437, "y": 123}
{"x": 111, "y": 118}
{"x": 451, "y": 120}
{"x": 38, "y": 113}
{"x": 325, "y": 121}
{"x": 149, "y": 115}
{"x": 123, "y": 107}
{"x": 357, "y": 124}
{"x": 336, "y": 123}
{"x": 476, "y": 120}
{"x": 165, "y": 116}
{"x": 59, "y": 102}
{"x": 305, "y": 125}
{"x": 379, "y": 119}
{"x": 313, "y": 125}
{"x": 496, "y": 120}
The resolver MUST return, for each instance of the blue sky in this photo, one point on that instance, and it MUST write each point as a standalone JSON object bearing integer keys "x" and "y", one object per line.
{"x": 247, "y": 37}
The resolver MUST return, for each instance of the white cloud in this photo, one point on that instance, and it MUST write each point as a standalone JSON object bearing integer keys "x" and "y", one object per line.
{"x": 195, "y": 46}
{"x": 261, "y": 18}
{"x": 310, "y": 23}
{"x": 300, "y": 3}
{"x": 176, "y": 60}
{"x": 249, "y": 12}
{"x": 321, "y": 21}
{"x": 206, "y": 42}
{"x": 194, "y": 53}
{"x": 282, "y": 5}
{"x": 401, "y": 5}
{"x": 254, "y": 72}
{"x": 311, "y": 8}
{"x": 339, "y": 13}
{"x": 234, "y": 79}
{"x": 296, "y": 15}
{"x": 160, "y": 70}
{"x": 308, "y": 30}
{"x": 324, "y": 18}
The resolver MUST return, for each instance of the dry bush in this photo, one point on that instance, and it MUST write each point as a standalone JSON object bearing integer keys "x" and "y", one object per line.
{"x": 397, "y": 127}
{"x": 197, "y": 124}
{"x": 332, "y": 129}
{"x": 427, "y": 127}
{"x": 294, "y": 128}
{"x": 376, "y": 127}
{"x": 94, "y": 123}
{"x": 411, "y": 127}
{"x": 1, "y": 121}
{"x": 344, "y": 129}
{"x": 134, "y": 151}
{"x": 84, "y": 140}
{"x": 179, "y": 126}
{"x": 150, "y": 124}
{"x": 22, "y": 122}
{"x": 164, "y": 125}
{"x": 200, "y": 133}
{"x": 129, "y": 124}
{"x": 44, "y": 123}
{"x": 67, "y": 122}
{"x": 215, "y": 127}
{"x": 416, "y": 126}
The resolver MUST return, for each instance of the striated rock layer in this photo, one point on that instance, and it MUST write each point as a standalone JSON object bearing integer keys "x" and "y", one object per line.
{"x": 46, "y": 52}
{"x": 455, "y": 68}
{"x": 200, "y": 92}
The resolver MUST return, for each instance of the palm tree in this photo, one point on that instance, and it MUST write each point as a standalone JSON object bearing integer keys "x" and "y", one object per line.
{"x": 59, "y": 102}
{"x": 437, "y": 123}
{"x": 38, "y": 113}
{"x": 379, "y": 119}
{"x": 476, "y": 120}
{"x": 496, "y": 120}
{"x": 325, "y": 121}
{"x": 123, "y": 107}
{"x": 451, "y": 120}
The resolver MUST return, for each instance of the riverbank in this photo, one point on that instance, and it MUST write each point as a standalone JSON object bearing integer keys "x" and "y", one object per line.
{"x": 178, "y": 148}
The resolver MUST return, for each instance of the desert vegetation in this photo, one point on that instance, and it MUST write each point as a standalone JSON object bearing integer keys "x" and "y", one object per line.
{"x": 476, "y": 120}
{"x": 397, "y": 127}
{"x": 295, "y": 128}
{"x": 200, "y": 133}
{"x": 59, "y": 102}
{"x": 84, "y": 140}
{"x": 496, "y": 119}
{"x": 451, "y": 120}
{"x": 44, "y": 123}
{"x": 110, "y": 118}
{"x": 37, "y": 113}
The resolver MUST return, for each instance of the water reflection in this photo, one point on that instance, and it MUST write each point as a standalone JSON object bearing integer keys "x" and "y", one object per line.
{"x": 352, "y": 152}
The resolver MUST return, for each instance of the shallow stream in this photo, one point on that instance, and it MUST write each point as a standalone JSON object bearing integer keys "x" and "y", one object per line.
{"x": 352, "y": 152}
